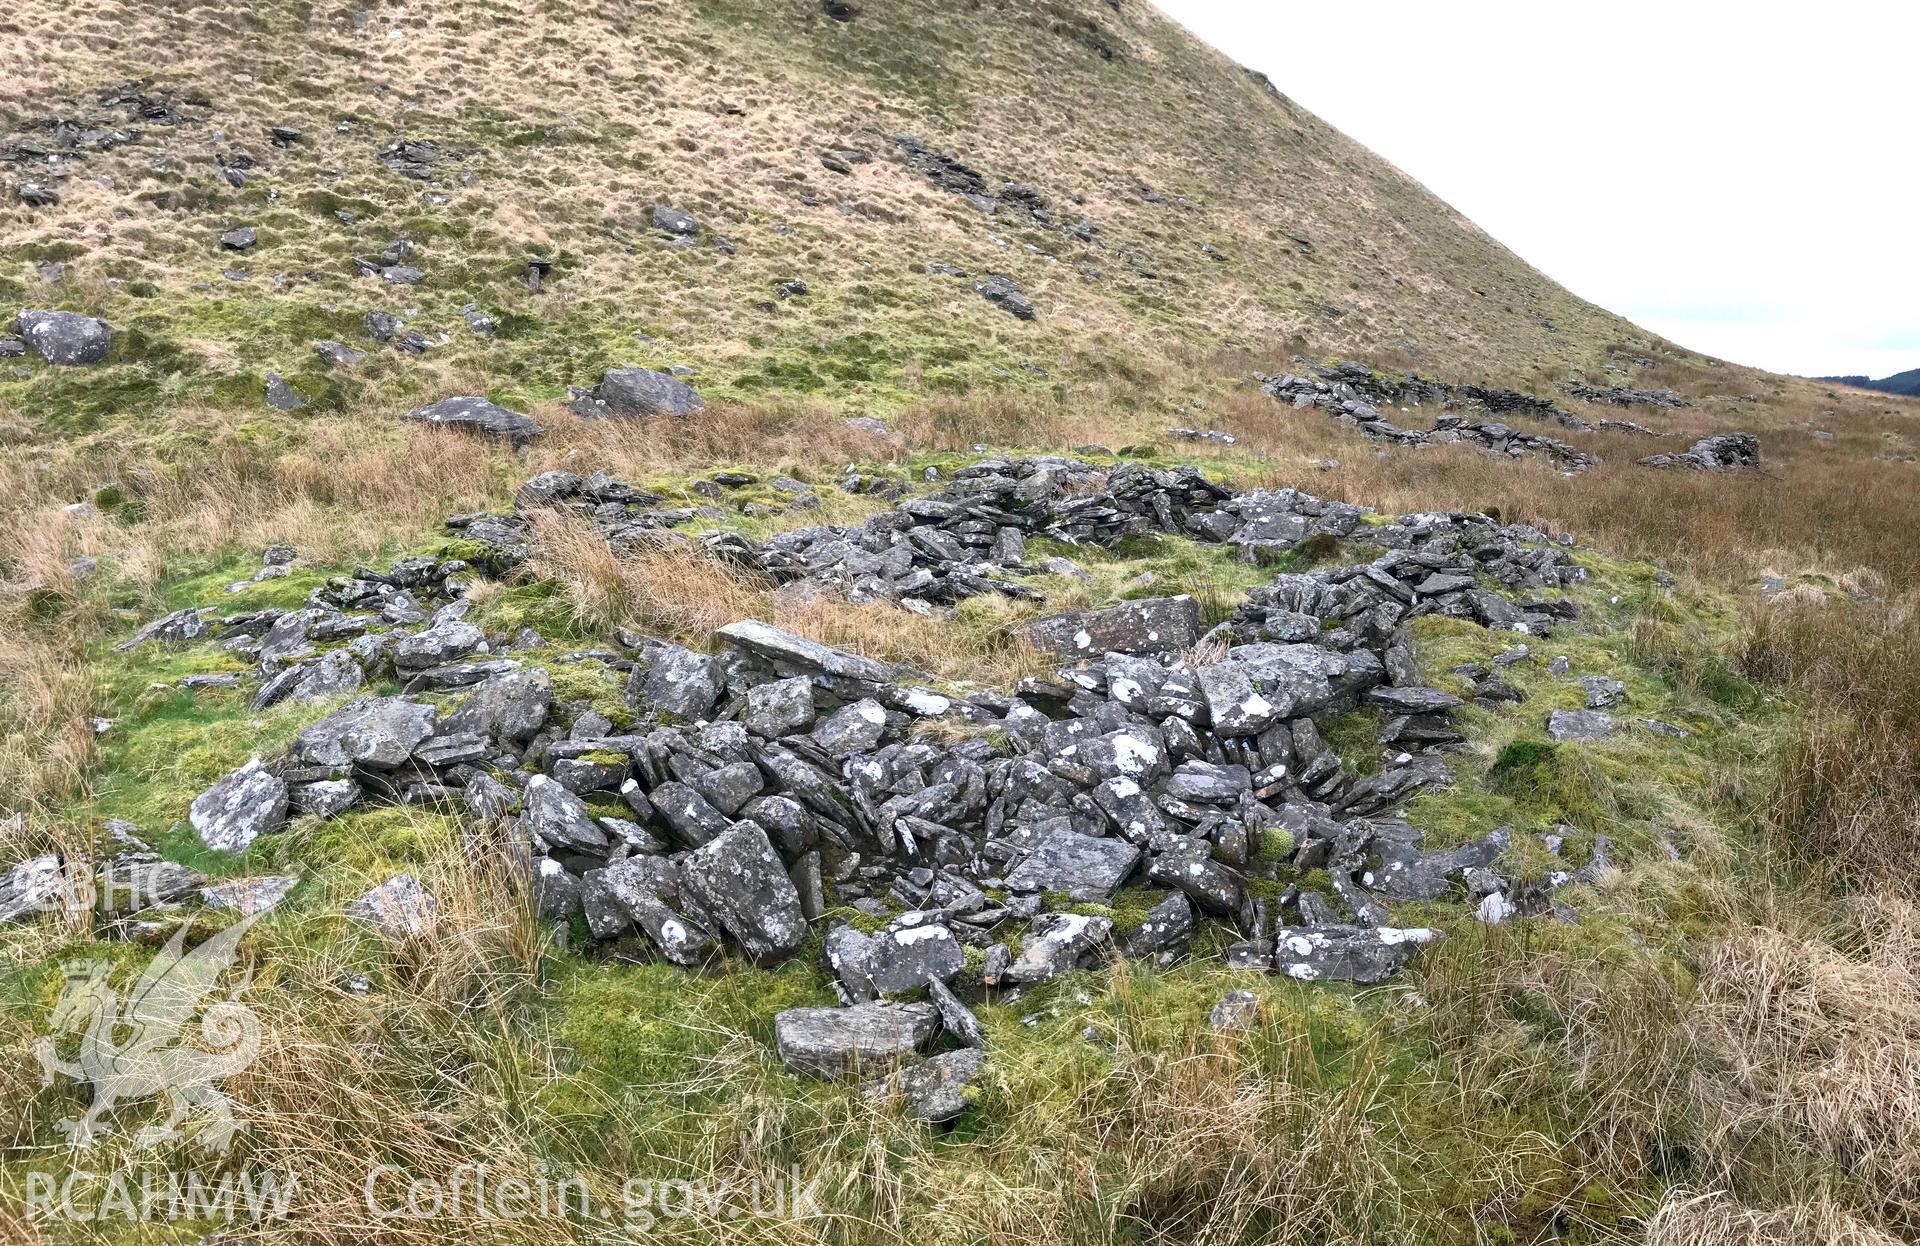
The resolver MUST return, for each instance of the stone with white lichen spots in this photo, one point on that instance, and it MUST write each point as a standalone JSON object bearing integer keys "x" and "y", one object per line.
{"x": 1158, "y": 625}
{"x": 1340, "y": 953}
{"x": 738, "y": 878}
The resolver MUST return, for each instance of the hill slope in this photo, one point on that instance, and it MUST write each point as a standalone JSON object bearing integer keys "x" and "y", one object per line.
{"x": 1184, "y": 205}
{"x": 1474, "y": 837}
{"x": 1906, "y": 384}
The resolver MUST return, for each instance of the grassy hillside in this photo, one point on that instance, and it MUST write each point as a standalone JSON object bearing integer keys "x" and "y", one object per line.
{"x": 1708, "y": 1039}
{"x": 1218, "y": 214}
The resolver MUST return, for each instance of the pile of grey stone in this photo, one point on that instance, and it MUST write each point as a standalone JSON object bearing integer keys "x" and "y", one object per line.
{"x": 1722, "y": 452}
{"x": 1345, "y": 401}
{"x": 1623, "y": 396}
{"x": 774, "y": 785}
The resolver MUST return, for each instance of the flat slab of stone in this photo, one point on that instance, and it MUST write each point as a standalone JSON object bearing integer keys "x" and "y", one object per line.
{"x": 792, "y": 655}
{"x": 845, "y": 1042}
{"x": 1088, "y": 869}
{"x": 1580, "y": 726}
{"x": 1158, "y": 625}
{"x": 480, "y": 416}
{"x": 247, "y": 896}
{"x": 379, "y": 733}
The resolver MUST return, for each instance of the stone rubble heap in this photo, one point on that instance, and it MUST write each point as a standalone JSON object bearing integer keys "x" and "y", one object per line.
{"x": 1339, "y": 396}
{"x": 1622, "y": 396}
{"x": 1356, "y": 395}
{"x": 1722, "y": 452}
{"x": 775, "y": 783}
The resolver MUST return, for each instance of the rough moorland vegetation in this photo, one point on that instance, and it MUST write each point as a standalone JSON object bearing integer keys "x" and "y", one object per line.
{"x": 813, "y": 592}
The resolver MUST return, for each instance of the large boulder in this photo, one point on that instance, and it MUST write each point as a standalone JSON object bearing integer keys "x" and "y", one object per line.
{"x": 638, "y": 393}
{"x": 480, "y": 416}
{"x": 840, "y": 1042}
{"x": 509, "y": 707}
{"x": 378, "y": 733}
{"x": 738, "y": 878}
{"x": 1158, "y": 625}
{"x": 240, "y": 808}
{"x": 67, "y": 339}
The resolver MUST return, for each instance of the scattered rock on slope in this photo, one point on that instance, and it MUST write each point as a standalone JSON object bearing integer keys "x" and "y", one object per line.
{"x": 1005, "y": 293}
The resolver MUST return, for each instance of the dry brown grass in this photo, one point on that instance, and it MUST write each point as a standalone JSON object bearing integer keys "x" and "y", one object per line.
{"x": 677, "y": 589}
{"x": 1847, "y": 797}
{"x": 1818, "y": 1046}
{"x": 1715, "y": 1219}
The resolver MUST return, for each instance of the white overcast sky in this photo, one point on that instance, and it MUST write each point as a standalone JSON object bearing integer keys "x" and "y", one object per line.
{"x": 1741, "y": 178}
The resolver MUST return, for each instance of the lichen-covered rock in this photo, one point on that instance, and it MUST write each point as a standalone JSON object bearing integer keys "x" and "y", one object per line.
{"x": 904, "y": 956}
{"x": 1343, "y": 953}
{"x": 780, "y": 707}
{"x": 236, "y": 810}
{"x": 66, "y": 339}
{"x": 479, "y": 415}
{"x": 248, "y": 896}
{"x": 677, "y": 681}
{"x": 843, "y": 1042}
{"x": 738, "y": 878}
{"x": 378, "y": 733}
{"x": 510, "y": 707}
{"x": 175, "y": 628}
{"x": 1057, "y": 943}
{"x": 638, "y": 393}
{"x": 332, "y": 674}
{"x": 1580, "y": 726}
{"x": 1088, "y": 869}
{"x": 648, "y": 889}
{"x": 932, "y": 1090}
{"x": 399, "y": 908}
{"x": 30, "y": 887}
{"x": 554, "y": 817}
{"x": 1158, "y": 625}
{"x": 1236, "y": 1010}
